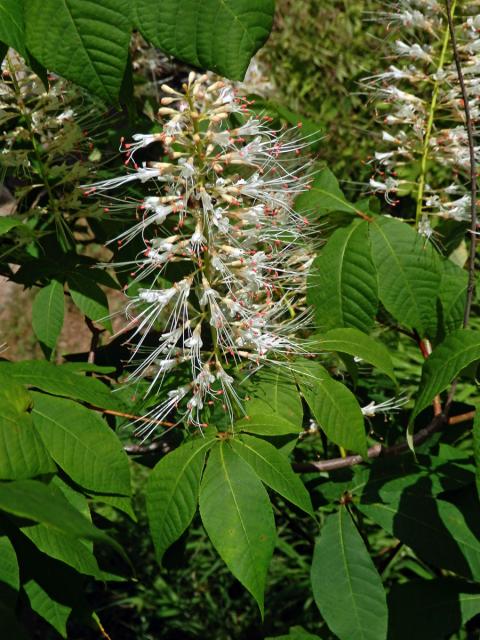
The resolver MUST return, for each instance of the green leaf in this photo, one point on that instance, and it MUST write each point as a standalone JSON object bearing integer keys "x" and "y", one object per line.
{"x": 66, "y": 548}
{"x": 453, "y": 294}
{"x": 47, "y": 504}
{"x": 82, "y": 444}
{"x": 356, "y": 343}
{"x": 86, "y": 42}
{"x": 439, "y": 532}
{"x": 172, "y": 492}
{"x": 402, "y": 474}
{"x": 61, "y": 381}
{"x": 12, "y": 27}
{"x": 346, "y": 586}
{"x": 121, "y": 503}
{"x": 431, "y": 609}
{"x": 238, "y": 518}
{"x": 8, "y": 222}
{"x": 334, "y": 407}
{"x": 47, "y": 314}
{"x": 476, "y": 446}
{"x": 9, "y": 571}
{"x": 408, "y": 273}
{"x": 324, "y": 197}
{"x": 457, "y": 351}
{"x": 90, "y": 299}
{"x": 22, "y": 453}
{"x": 273, "y": 468}
{"x": 342, "y": 283}
{"x": 275, "y": 407}
{"x": 50, "y": 610}
{"x": 220, "y": 35}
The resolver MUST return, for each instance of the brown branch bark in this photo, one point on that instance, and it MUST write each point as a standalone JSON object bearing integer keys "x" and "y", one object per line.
{"x": 95, "y": 331}
{"x": 379, "y": 450}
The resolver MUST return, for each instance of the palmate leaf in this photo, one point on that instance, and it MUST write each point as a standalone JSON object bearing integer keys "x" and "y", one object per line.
{"x": 273, "y": 468}
{"x": 459, "y": 349}
{"x": 221, "y": 35}
{"x": 342, "y": 282}
{"x": 237, "y": 515}
{"x": 431, "y": 609}
{"x": 172, "y": 492}
{"x": 82, "y": 444}
{"x": 84, "y": 41}
{"x": 408, "y": 273}
{"x": 48, "y": 313}
{"x": 346, "y": 586}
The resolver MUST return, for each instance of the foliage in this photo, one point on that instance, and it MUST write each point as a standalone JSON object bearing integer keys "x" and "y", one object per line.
{"x": 277, "y": 517}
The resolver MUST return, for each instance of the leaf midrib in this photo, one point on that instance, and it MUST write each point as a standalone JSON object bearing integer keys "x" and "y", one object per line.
{"x": 347, "y": 571}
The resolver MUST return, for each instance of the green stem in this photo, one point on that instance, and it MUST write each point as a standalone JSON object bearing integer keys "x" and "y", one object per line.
{"x": 431, "y": 118}
{"x": 206, "y": 267}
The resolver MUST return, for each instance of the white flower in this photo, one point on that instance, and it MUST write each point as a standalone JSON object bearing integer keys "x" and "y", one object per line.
{"x": 220, "y": 207}
{"x": 392, "y": 405}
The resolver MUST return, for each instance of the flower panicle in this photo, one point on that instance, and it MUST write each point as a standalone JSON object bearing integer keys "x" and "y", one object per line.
{"x": 219, "y": 205}
{"x": 422, "y": 107}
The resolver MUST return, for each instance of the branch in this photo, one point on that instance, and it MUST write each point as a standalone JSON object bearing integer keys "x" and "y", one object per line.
{"x": 94, "y": 340}
{"x": 130, "y": 416}
{"x": 473, "y": 171}
{"x": 379, "y": 450}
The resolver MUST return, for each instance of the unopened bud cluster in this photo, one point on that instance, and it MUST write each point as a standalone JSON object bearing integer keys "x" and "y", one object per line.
{"x": 218, "y": 206}
{"x": 425, "y": 144}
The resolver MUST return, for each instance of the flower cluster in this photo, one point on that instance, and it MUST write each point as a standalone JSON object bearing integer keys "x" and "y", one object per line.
{"x": 46, "y": 145}
{"x": 218, "y": 210}
{"x": 423, "y": 110}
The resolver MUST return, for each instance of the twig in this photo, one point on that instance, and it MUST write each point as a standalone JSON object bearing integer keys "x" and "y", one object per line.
{"x": 95, "y": 331}
{"x": 463, "y": 417}
{"x": 473, "y": 170}
{"x": 379, "y": 450}
{"x": 426, "y": 349}
{"x": 130, "y": 416}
